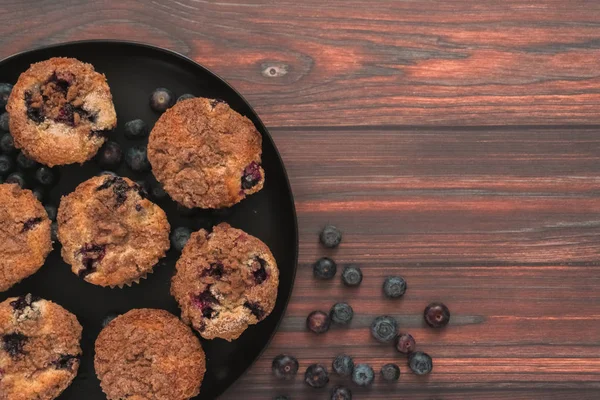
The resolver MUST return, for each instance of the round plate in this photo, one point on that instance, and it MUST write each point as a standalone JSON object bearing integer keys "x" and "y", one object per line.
{"x": 133, "y": 71}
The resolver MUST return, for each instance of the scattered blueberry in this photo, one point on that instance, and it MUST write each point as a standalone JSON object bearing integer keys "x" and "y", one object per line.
{"x": 158, "y": 192}
{"x": 394, "y": 287}
{"x": 330, "y": 236}
{"x": 343, "y": 365}
{"x": 318, "y": 322}
{"x": 285, "y": 367}
{"x": 110, "y": 155}
{"x": 390, "y": 372}
{"x": 405, "y": 343}
{"x": 420, "y": 363}
{"x": 51, "y": 211}
{"x": 25, "y": 162}
{"x": 5, "y": 89}
{"x": 341, "y": 393}
{"x": 179, "y": 237}
{"x": 352, "y": 276}
{"x": 436, "y": 315}
{"x": 137, "y": 158}
{"x": 324, "y": 268}
{"x": 384, "y": 328}
{"x": 6, "y": 164}
{"x": 38, "y": 192}
{"x": 4, "y": 126}
{"x": 161, "y": 99}
{"x": 7, "y": 144}
{"x": 185, "y": 96}
{"x": 16, "y": 177}
{"x": 316, "y": 376}
{"x": 341, "y": 313}
{"x": 136, "y": 129}
{"x": 45, "y": 176}
{"x": 54, "y": 231}
{"x": 363, "y": 375}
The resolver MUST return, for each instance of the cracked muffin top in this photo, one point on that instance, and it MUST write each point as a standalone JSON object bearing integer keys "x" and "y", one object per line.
{"x": 60, "y": 111}
{"x": 206, "y": 154}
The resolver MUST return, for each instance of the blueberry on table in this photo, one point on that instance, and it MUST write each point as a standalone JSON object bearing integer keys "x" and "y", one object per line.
{"x": 405, "y": 343}
{"x": 136, "y": 129}
{"x": 110, "y": 155}
{"x": 25, "y": 162}
{"x": 18, "y": 178}
{"x": 330, "y": 236}
{"x": 51, "y": 211}
{"x": 316, "y": 376}
{"x": 6, "y": 164}
{"x": 394, "y": 287}
{"x": 179, "y": 237}
{"x": 318, "y": 322}
{"x": 5, "y": 89}
{"x": 341, "y": 313}
{"x": 436, "y": 315}
{"x": 185, "y": 96}
{"x": 7, "y": 144}
{"x": 324, "y": 268}
{"x": 285, "y": 367}
{"x": 161, "y": 99}
{"x": 363, "y": 375}
{"x": 352, "y": 276}
{"x": 390, "y": 372}
{"x": 420, "y": 363}
{"x": 341, "y": 393}
{"x": 4, "y": 122}
{"x": 384, "y": 328}
{"x": 137, "y": 158}
{"x": 343, "y": 365}
{"x": 45, "y": 176}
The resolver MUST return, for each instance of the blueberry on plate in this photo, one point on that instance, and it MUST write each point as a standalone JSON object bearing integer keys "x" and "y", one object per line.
{"x": 384, "y": 328}
{"x": 405, "y": 343}
{"x": 285, "y": 367}
{"x": 5, "y": 89}
{"x": 185, "y": 96}
{"x": 390, "y": 372}
{"x": 318, "y": 322}
{"x": 18, "y": 178}
{"x": 341, "y": 393}
{"x": 324, "y": 268}
{"x": 51, "y": 211}
{"x": 352, "y": 276}
{"x": 436, "y": 315}
{"x": 110, "y": 155}
{"x": 420, "y": 363}
{"x": 394, "y": 287}
{"x": 25, "y": 162}
{"x": 341, "y": 313}
{"x": 161, "y": 99}
{"x": 179, "y": 237}
{"x": 7, "y": 144}
{"x": 137, "y": 158}
{"x": 363, "y": 375}
{"x": 136, "y": 129}
{"x": 6, "y": 164}
{"x": 330, "y": 236}
{"x": 45, "y": 176}
{"x": 343, "y": 365}
{"x": 4, "y": 122}
{"x": 316, "y": 376}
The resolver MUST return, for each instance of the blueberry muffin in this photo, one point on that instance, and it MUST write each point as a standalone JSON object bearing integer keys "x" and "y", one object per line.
{"x": 25, "y": 239}
{"x": 60, "y": 110}
{"x": 111, "y": 234}
{"x": 205, "y": 154}
{"x": 149, "y": 354}
{"x": 39, "y": 348}
{"x": 225, "y": 281}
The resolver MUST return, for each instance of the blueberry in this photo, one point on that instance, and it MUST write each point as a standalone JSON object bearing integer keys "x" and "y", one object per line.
{"x": 4, "y": 122}
{"x": 5, "y": 89}
{"x": 38, "y": 192}
{"x": 251, "y": 176}
{"x": 110, "y": 155}
{"x": 363, "y": 375}
{"x": 341, "y": 313}
{"x": 45, "y": 176}
{"x": 161, "y": 99}
{"x": 316, "y": 376}
{"x": 185, "y": 96}
{"x": 16, "y": 177}
{"x": 285, "y": 367}
{"x": 384, "y": 328}
{"x": 14, "y": 343}
{"x": 158, "y": 192}
{"x": 6, "y": 164}
{"x": 179, "y": 237}
{"x": 255, "y": 309}
{"x": 137, "y": 158}
{"x": 318, "y": 322}
{"x": 108, "y": 318}
{"x": 394, "y": 287}
{"x": 324, "y": 268}
{"x": 51, "y": 211}
{"x": 420, "y": 363}
{"x": 352, "y": 276}
{"x": 341, "y": 393}
{"x": 136, "y": 129}
{"x": 343, "y": 365}
{"x": 405, "y": 343}
{"x": 390, "y": 372}
{"x": 24, "y": 162}
{"x": 7, "y": 144}
{"x": 54, "y": 232}
{"x": 436, "y": 315}
{"x": 330, "y": 236}
{"x": 65, "y": 361}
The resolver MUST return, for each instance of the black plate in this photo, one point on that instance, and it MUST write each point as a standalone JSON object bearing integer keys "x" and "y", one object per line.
{"x": 133, "y": 72}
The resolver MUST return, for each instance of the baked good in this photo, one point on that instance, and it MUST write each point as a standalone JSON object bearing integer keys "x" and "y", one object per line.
{"x": 225, "y": 281}
{"x": 24, "y": 235}
{"x": 206, "y": 154}
{"x": 111, "y": 234}
{"x": 60, "y": 111}
{"x": 39, "y": 348}
{"x": 149, "y": 354}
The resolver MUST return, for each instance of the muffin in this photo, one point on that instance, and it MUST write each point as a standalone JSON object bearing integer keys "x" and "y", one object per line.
{"x": 60, "y": 110}
{"x": 149, "y": 354}
{"x": 40, "y": 351}
{"x": 111, "y": 234}
{"x": 25, "y": 239}
{"x": 225, "y": 281}
{"x": 205, "y": 154}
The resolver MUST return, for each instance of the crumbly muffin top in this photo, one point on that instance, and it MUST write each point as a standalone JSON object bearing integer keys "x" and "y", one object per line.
{"x": 149, "y": 354}
{"x": 206, "y": 154}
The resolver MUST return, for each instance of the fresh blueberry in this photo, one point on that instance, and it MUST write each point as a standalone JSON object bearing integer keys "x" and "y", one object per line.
{"x": 324, "y": 268}
{"x": 137, "y": 158}
{"x": 420, "y": 363}
{"x": 136, "y": 129}
{"x": 363, "y": 375}
{"x": 54, "y": 231}
{"x": 45, "y": 176}
{"x": 384, "y": 328}
{"x": 318, "y": 322}
{"x": 5, "y": 89}
{"x": 343, "y": 365}
{"x": 158, "y": 192}
{"x": 352, "y": 276}
{"x": 6, "y": 165}
{"x": 7, "y": 144}
{"x": 394, "y": 287}
{"x": 4, "y": 126}
{"x": 38, "y": 192}
{"x": 179, "y": 237}
{"x": 330, "y": 236}
{"x": 341, "y": 313}
{"x": 341, "y": 393}
{"x": 285, "y": 367}
{"x": 316, "y": 376}
{"x": 25, "y": 162}
{"x": 18, "y": 178}
{"x": 185, "y": 96}
{"x": 405, "y": 343}
{"x": 51, "y": 211}
{"x": 436, "y": 315}
{"x": 110, "y": 155}
{"x": 390, "y": 372}
{"x": 161, "y": 99}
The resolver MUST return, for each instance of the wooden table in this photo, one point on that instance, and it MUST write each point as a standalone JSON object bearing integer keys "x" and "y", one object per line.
{"x": 455, "y": 143}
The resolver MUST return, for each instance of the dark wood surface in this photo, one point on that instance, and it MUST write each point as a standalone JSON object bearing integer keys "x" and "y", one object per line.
{"x": 455, "y": 143}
